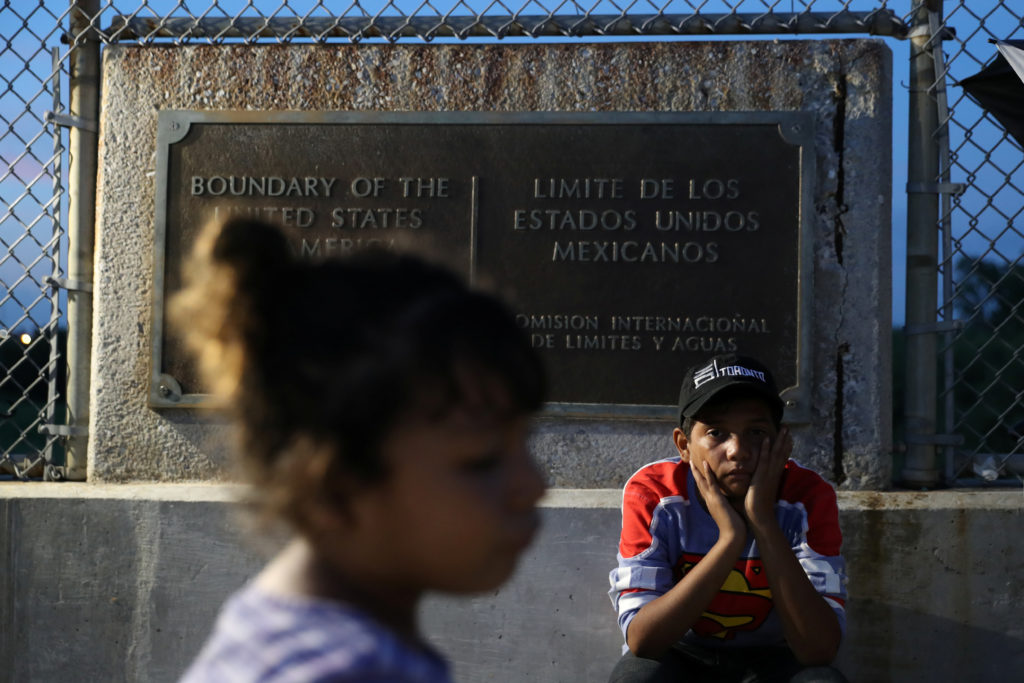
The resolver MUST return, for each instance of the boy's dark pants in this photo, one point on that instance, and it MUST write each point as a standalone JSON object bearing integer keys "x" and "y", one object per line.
{"x": 687, "y": 663}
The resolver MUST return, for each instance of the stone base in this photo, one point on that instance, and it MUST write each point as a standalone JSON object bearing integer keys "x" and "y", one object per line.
{"x": 106, "y": 583}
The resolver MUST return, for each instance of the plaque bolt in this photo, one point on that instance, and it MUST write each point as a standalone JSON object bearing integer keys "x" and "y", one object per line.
{"x": 164, "y": 390}
{"x": 175, "y": 125}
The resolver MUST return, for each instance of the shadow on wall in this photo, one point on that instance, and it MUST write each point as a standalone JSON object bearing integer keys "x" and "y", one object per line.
{"x": 891, "y": 643}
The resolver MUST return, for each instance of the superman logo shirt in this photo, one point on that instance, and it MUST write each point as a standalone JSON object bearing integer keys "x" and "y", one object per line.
{"x": 666, "y": 531}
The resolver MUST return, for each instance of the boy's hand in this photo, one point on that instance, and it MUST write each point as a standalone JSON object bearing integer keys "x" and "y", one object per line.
{"x": 759, "y": 503}
{"x": 725, "y": 515}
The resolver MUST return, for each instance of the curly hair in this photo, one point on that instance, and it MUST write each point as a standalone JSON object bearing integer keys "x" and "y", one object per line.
{"x": 319, "y": 360}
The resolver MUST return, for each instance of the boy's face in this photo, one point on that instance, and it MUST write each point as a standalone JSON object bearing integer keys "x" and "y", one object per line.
{"x": 728, "y": 437}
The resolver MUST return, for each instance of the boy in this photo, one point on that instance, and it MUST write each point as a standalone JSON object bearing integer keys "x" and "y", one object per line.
{"x": 729, "y": 560}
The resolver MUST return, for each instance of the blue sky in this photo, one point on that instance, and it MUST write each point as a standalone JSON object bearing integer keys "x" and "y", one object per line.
{"x": 989, "y": 208}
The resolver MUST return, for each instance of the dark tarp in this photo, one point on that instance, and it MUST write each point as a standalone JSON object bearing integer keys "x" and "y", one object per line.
{"x": 999, "y": 88}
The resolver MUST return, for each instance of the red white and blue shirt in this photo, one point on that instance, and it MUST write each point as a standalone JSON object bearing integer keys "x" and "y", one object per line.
{"x": 666, "y": 530}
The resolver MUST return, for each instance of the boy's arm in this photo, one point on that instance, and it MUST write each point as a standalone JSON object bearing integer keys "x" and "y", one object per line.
{"x": 662, "y": 622}
{"x": 810, "y": 626}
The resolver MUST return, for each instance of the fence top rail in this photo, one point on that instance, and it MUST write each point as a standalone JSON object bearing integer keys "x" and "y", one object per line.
{"x": 881, "y": 22}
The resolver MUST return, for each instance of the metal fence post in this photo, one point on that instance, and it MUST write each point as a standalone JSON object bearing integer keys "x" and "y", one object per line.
{"x": 84, "y": 81}
{"x": 920, "y": 470}
{"x": 946, "y": 222}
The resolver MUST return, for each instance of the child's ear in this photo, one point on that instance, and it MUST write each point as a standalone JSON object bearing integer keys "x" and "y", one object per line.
{"x": 322, "y": 498}
{"x": 682, "y": 444}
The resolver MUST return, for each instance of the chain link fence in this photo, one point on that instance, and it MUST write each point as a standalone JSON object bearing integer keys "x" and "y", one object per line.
{"x": 32, "y": 155}
{"x": 316, "y": 20}
{"x": 982, "y": 303}
{"x": 980, "y": 277}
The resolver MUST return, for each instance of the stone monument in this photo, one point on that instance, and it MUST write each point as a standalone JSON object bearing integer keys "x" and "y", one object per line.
{"x": 641, "y": 205}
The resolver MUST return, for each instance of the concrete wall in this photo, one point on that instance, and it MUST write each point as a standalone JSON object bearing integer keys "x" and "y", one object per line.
{"x": 121, "y": 583}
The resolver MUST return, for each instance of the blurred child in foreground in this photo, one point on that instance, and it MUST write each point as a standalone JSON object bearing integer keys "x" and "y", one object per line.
{"x": 383, "y": 410}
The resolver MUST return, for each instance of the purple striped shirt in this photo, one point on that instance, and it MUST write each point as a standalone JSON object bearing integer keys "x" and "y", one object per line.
{"x": 273, "y": 639}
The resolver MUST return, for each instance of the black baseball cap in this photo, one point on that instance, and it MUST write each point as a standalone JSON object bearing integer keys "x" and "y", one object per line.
{"x": 706, "y": 380}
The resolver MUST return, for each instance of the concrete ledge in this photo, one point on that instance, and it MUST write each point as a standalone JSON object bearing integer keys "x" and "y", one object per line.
{"x": 951, "y": 499}
{"x": 199, "y": 492}
{"x": 128, "y": 579}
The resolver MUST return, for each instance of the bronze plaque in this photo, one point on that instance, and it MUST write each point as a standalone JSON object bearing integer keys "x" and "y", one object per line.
{"x": 630, "y": 245}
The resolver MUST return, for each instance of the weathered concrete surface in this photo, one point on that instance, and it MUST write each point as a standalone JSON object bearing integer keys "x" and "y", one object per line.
{"x": 844, "y": 84}
{"x": 122, "y": 583}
